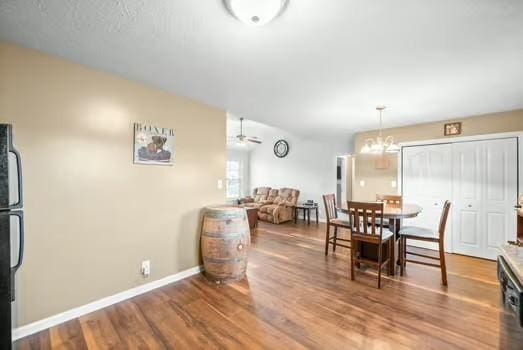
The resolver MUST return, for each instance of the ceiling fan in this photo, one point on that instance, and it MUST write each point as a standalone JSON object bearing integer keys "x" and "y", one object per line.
{"x": 243, "y": 139}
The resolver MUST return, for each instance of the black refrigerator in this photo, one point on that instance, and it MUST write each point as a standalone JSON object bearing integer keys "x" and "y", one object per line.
{"x": 11, "y": 229}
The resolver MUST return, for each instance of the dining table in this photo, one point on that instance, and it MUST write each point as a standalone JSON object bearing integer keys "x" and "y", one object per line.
{"x": 394, "y": 214}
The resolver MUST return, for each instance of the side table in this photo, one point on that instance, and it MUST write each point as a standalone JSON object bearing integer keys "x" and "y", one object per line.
{"x": 306, "y": 212}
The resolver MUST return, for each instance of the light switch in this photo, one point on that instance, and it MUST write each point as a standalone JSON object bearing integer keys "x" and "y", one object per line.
{"x": 393, "y": 184}
{"x": 220, "y": 184}
{"x": 362, "y": 183}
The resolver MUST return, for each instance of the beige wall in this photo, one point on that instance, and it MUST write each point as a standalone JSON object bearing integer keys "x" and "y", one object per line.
{"x": 380, "y": 181}
{"x": 91, "y": 215}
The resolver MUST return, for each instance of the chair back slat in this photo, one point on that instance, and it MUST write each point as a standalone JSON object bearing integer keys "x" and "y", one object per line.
{"x": 443, "y": 220}
{"x": 363, "y": 218}
{"x": 329, "y": 200}
{"x": 392, "y": 200}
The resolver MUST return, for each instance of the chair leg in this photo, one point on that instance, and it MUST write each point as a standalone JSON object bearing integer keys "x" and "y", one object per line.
{"x": 405, "y": 253}
{"x": 380, "y": 257}
{"x": 442, "y": 263}
{"x": 352, "y": 256}
{"x": 389, "y": 247}
{"x": 402, "y": 258}
{"x": 327, "y": 240}
{"x": 335, "y": 238}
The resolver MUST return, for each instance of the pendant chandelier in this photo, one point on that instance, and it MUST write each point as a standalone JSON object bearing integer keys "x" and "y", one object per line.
{"x": 380, "y": 145}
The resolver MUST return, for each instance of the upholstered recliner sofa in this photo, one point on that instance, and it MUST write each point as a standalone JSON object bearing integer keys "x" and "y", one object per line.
{"x": 279, "y": 206}
{"x": 276, "y": 206}
{"x": 259, "y": 197}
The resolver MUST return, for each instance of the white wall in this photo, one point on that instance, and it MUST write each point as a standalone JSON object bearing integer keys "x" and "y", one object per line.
{"x": 310, "y": 165}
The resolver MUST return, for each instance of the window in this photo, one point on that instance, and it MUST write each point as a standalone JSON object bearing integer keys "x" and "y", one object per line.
{"x": 234, "y": 179}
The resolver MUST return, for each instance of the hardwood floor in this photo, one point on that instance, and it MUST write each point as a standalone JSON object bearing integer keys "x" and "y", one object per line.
{"x": 294, "y": 298}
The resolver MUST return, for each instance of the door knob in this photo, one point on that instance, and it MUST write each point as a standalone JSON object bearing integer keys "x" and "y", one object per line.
{"x": 470, "y": 205}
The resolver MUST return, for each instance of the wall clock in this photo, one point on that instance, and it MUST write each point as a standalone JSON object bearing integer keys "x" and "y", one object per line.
{"x": 281, "y": 148}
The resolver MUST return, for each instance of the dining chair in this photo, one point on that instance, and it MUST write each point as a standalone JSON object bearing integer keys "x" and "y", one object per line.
{"x": 391, "y": 200}
{"x": 363, "y": 218}
{"x": 427, "y": 235}
{"x": 333, "y": 221}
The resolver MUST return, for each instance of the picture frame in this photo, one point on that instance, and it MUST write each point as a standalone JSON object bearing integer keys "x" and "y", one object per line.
{"x": 153, "y": 145}
{"x": 452, "y": 129}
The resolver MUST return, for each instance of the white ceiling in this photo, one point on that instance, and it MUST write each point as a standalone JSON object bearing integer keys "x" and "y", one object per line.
{"x": 320, "y": 68}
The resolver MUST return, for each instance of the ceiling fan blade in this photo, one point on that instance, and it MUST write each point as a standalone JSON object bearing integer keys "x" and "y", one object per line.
{"x": 255, "y": 141}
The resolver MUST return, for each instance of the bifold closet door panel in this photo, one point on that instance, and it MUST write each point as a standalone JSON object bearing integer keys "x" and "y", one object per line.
{"x": 500, "y": 194}
{"x": 467, "y": 180}
{"x": 484, "y": 194}
{"x": 426, "y": 182}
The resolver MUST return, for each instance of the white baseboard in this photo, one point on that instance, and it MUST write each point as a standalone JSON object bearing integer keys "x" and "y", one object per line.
{"x": 54, "y": 320}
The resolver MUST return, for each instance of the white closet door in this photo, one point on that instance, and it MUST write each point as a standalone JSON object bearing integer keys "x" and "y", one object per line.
{"x": 467, "y": 179}
{"x": 500, "y": 194}
{"x": 426, "y": 182}
{"x": 484, "y": 195}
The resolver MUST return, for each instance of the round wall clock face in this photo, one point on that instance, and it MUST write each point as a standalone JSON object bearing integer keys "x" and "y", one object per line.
{"x": 281, "y": 148}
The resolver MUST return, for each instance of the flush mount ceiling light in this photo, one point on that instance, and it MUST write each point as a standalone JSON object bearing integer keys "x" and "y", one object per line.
{"x": 255, "y": 12}
{"x": 381, "y": 145}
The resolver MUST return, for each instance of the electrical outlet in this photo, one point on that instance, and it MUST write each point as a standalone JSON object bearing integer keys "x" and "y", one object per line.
{"x": 220, "y": 184}
{"x": 146, "y": 268}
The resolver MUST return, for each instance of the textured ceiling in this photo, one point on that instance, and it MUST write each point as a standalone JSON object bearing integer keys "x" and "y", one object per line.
{"x": 320, "y": 68}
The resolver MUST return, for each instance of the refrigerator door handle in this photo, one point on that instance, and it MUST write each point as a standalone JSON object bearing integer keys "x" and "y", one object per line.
{"x": 20, "y": 240}
{"x": 20, "y": 250}
{"x": 19, "y": 203}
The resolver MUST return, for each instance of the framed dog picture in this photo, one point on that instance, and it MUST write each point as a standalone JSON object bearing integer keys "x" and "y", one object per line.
{"x": 153, "y": 145}
{"x": 452, "y": 129}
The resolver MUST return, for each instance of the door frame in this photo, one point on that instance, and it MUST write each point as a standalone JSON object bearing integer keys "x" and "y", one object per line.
{"x": 518, "y": 135}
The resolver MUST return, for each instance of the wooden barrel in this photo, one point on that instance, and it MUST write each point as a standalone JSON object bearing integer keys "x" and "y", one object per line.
{"x": 225, "y": 242}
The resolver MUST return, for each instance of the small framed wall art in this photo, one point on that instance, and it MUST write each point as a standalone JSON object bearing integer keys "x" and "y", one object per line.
{"x": 452, "y": 129}
{"x": 153, "y": 145}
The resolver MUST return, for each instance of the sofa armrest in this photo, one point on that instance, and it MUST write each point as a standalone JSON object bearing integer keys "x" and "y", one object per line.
{"x": 246, "y": 200}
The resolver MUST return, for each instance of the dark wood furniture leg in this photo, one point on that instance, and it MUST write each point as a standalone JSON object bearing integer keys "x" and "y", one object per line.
{"x": 397, "y": 228}
{"x": 401, "y": 255}
{"x": 380, "y": 256}
{"x": 327, "y": 240}
{"x": 308, "y": 216}
{"x": 316, "y": 215}
{"x": 442, "y": 262}
{"x": 352, "y": 259}
{"x": 394, "y": 226}
{"x": 335, "y": 238}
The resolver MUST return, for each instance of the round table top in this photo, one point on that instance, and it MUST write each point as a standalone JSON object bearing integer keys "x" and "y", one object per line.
{"x": 393, "y": 212}
{"x": 306, "y": 206}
